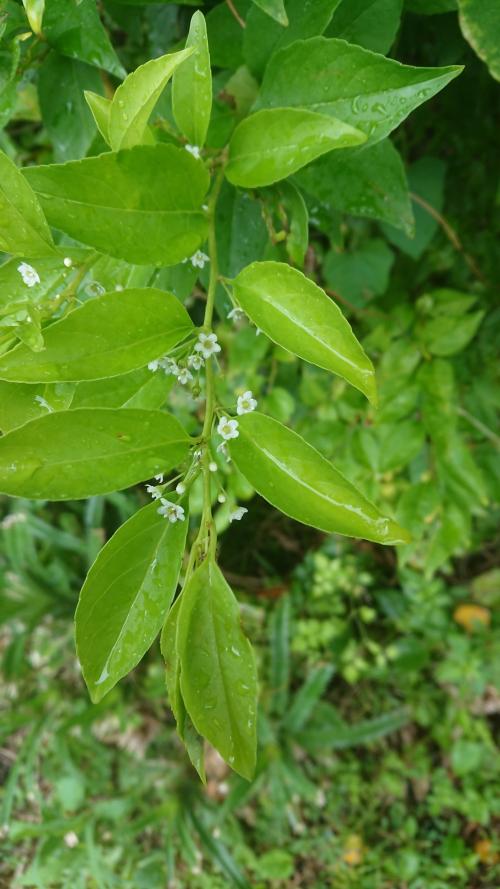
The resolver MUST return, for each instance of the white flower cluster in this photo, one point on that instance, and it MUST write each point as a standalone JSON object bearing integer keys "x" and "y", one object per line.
{"x": 193, "y": 149}
{"x": 205, "y": 347}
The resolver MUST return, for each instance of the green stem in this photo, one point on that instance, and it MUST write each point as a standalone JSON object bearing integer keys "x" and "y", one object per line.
{"x": 206, "y": 528}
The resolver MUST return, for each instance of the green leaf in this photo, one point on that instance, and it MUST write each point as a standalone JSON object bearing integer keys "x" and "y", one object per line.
{"x": 431, "y": 7}
{"x": 370, "y": 182}
{"x": 369, "y": 23}
{"x": 23, "y": 227}
{"x": 362, "y": 88}
{"x": 100, "y": 108}
{"x": 107, "y": 336}
{"x": 426, "y": 180}
{"x": 480, "y": 24}
{"x": 295, "y": 478}
{"x": 263, "y": 38}
{"x": 362, "y": 274}
{"x": 185, "y": 728}
{"x": 271, "y": 144}
{"x": 448, "y": 335}
{"x": 75, "y": 30}
{"x": 295, "y": 313}
{"x": 275, "y": 9}
{"x": 73, "y": 454}
{"x": 295, "y": 206}
{"x": 67, "y": 119}
{"x": 136, "y": 97}
{"x": 192, "y": 85}
{"x": 126, "y": 596}
{"x": 218, "y": 673}
{"x": 307, "y": 697}
{"x": 142, "y": 205}
{"x": 328, "y": 731}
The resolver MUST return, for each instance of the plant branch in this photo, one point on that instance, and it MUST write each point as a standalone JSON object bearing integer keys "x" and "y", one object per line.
{"x": 235, "y": 13}
{"x": 450, "y": 233}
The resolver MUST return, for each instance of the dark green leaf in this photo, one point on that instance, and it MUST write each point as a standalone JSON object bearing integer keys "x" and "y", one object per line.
{"x": 65, "y": 114}
{"x": 75, "y": 30}
{"x": 369, "y": 23}
{"x": 23, "y": 227}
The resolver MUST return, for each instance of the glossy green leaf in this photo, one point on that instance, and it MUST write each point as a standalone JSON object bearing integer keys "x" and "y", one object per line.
{"x": 126, "y": 596}
{"x": 136, "y": 97}
{"x": 218, "y": 673}
{"x": 295, "y": 478}
{"x": 185, "y": 728}
{"x": 100, "y": 108}
{"x": 273, "y": 143}
{"x": 264, "y": 36}
{"x": 362, "y": 88}
{"x": 74, "y": 454}
{"x": 142, "y": 204}
{"x": 23, "y": 227}
{"x": 107, "y": 336}
{"x": 295, "y": 313}
{"x": 370, "y": 182}
{"x": 369, "y": 23}
{"x": 275, "y": 9}
{"x": 65, "y": 114}
{"x": 480, "y": 23}
{"x": 192, "y": 85}
{"x": 75, "y": 30}
{"x": 34, "y": 11}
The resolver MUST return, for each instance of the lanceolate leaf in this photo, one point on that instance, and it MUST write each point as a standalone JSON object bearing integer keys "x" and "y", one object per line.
{"x": 142, "y": 204}
{"x": 218, "y": 674}
{"x": 106, "y": 337}
{"x": 100, "y": 108}
{"x": 294, "y": 312}
{"x": 126, "y": 596}
{"x": 23, "y": 227}
{"x": 272, "y": 144}
{"x": 192, "y": 85}
{"x": 135, "y": 99}
{"x": 369, "y": 23}
{"x": 65, "y": 114}
{"x": 362, "y": 88}
{"x": 185, "y": 728}
{"x": 73, "y": 454}
{"x": 295, "y": 478}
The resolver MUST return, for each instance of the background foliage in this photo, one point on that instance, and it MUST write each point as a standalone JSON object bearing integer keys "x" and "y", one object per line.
{"x": 379, "y": 694}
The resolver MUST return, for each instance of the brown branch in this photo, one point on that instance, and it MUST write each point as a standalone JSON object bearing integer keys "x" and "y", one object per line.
{"x": 235, "y": 13}
{"x": 451, "y": 234}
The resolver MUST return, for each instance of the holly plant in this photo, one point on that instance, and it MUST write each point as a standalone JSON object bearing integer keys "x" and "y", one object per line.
{"x": 87, "y": 367}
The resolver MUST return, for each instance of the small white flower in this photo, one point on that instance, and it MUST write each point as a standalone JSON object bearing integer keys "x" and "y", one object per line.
{"x": 43, "y": 403}
{"x": 199, "y": 259}
{"x": 29, "y": 275}
{"x": 236, "y": 314}
{"x": 184, "y": 376}
{"x": 222, "y": 449}
{"x": 159, "y": 478}
{"x": 207, "y": 344}
{"x": 221, "y": 498}
{"x": 172, "y": 511}
{"x": 196, "y": 361}
{"x": 153, "y": 490}
{"x": 193, "y": 149}
{"x": 169, "y": 366}
{"x": 181, "y": 488}
{"x": 246, "y": 403}
{"x": 228, "y": 428}
{"x": 118, "y": 287}
{"x": 258, "y": 331}
{"x": 204, "y": 207}
{"x": 237, "y": 514}
{"x": 68, "y": 262}
{"x": 212, "y": 466}
{"x": 71, "y": 839}
{"x": 154, "y": 365}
